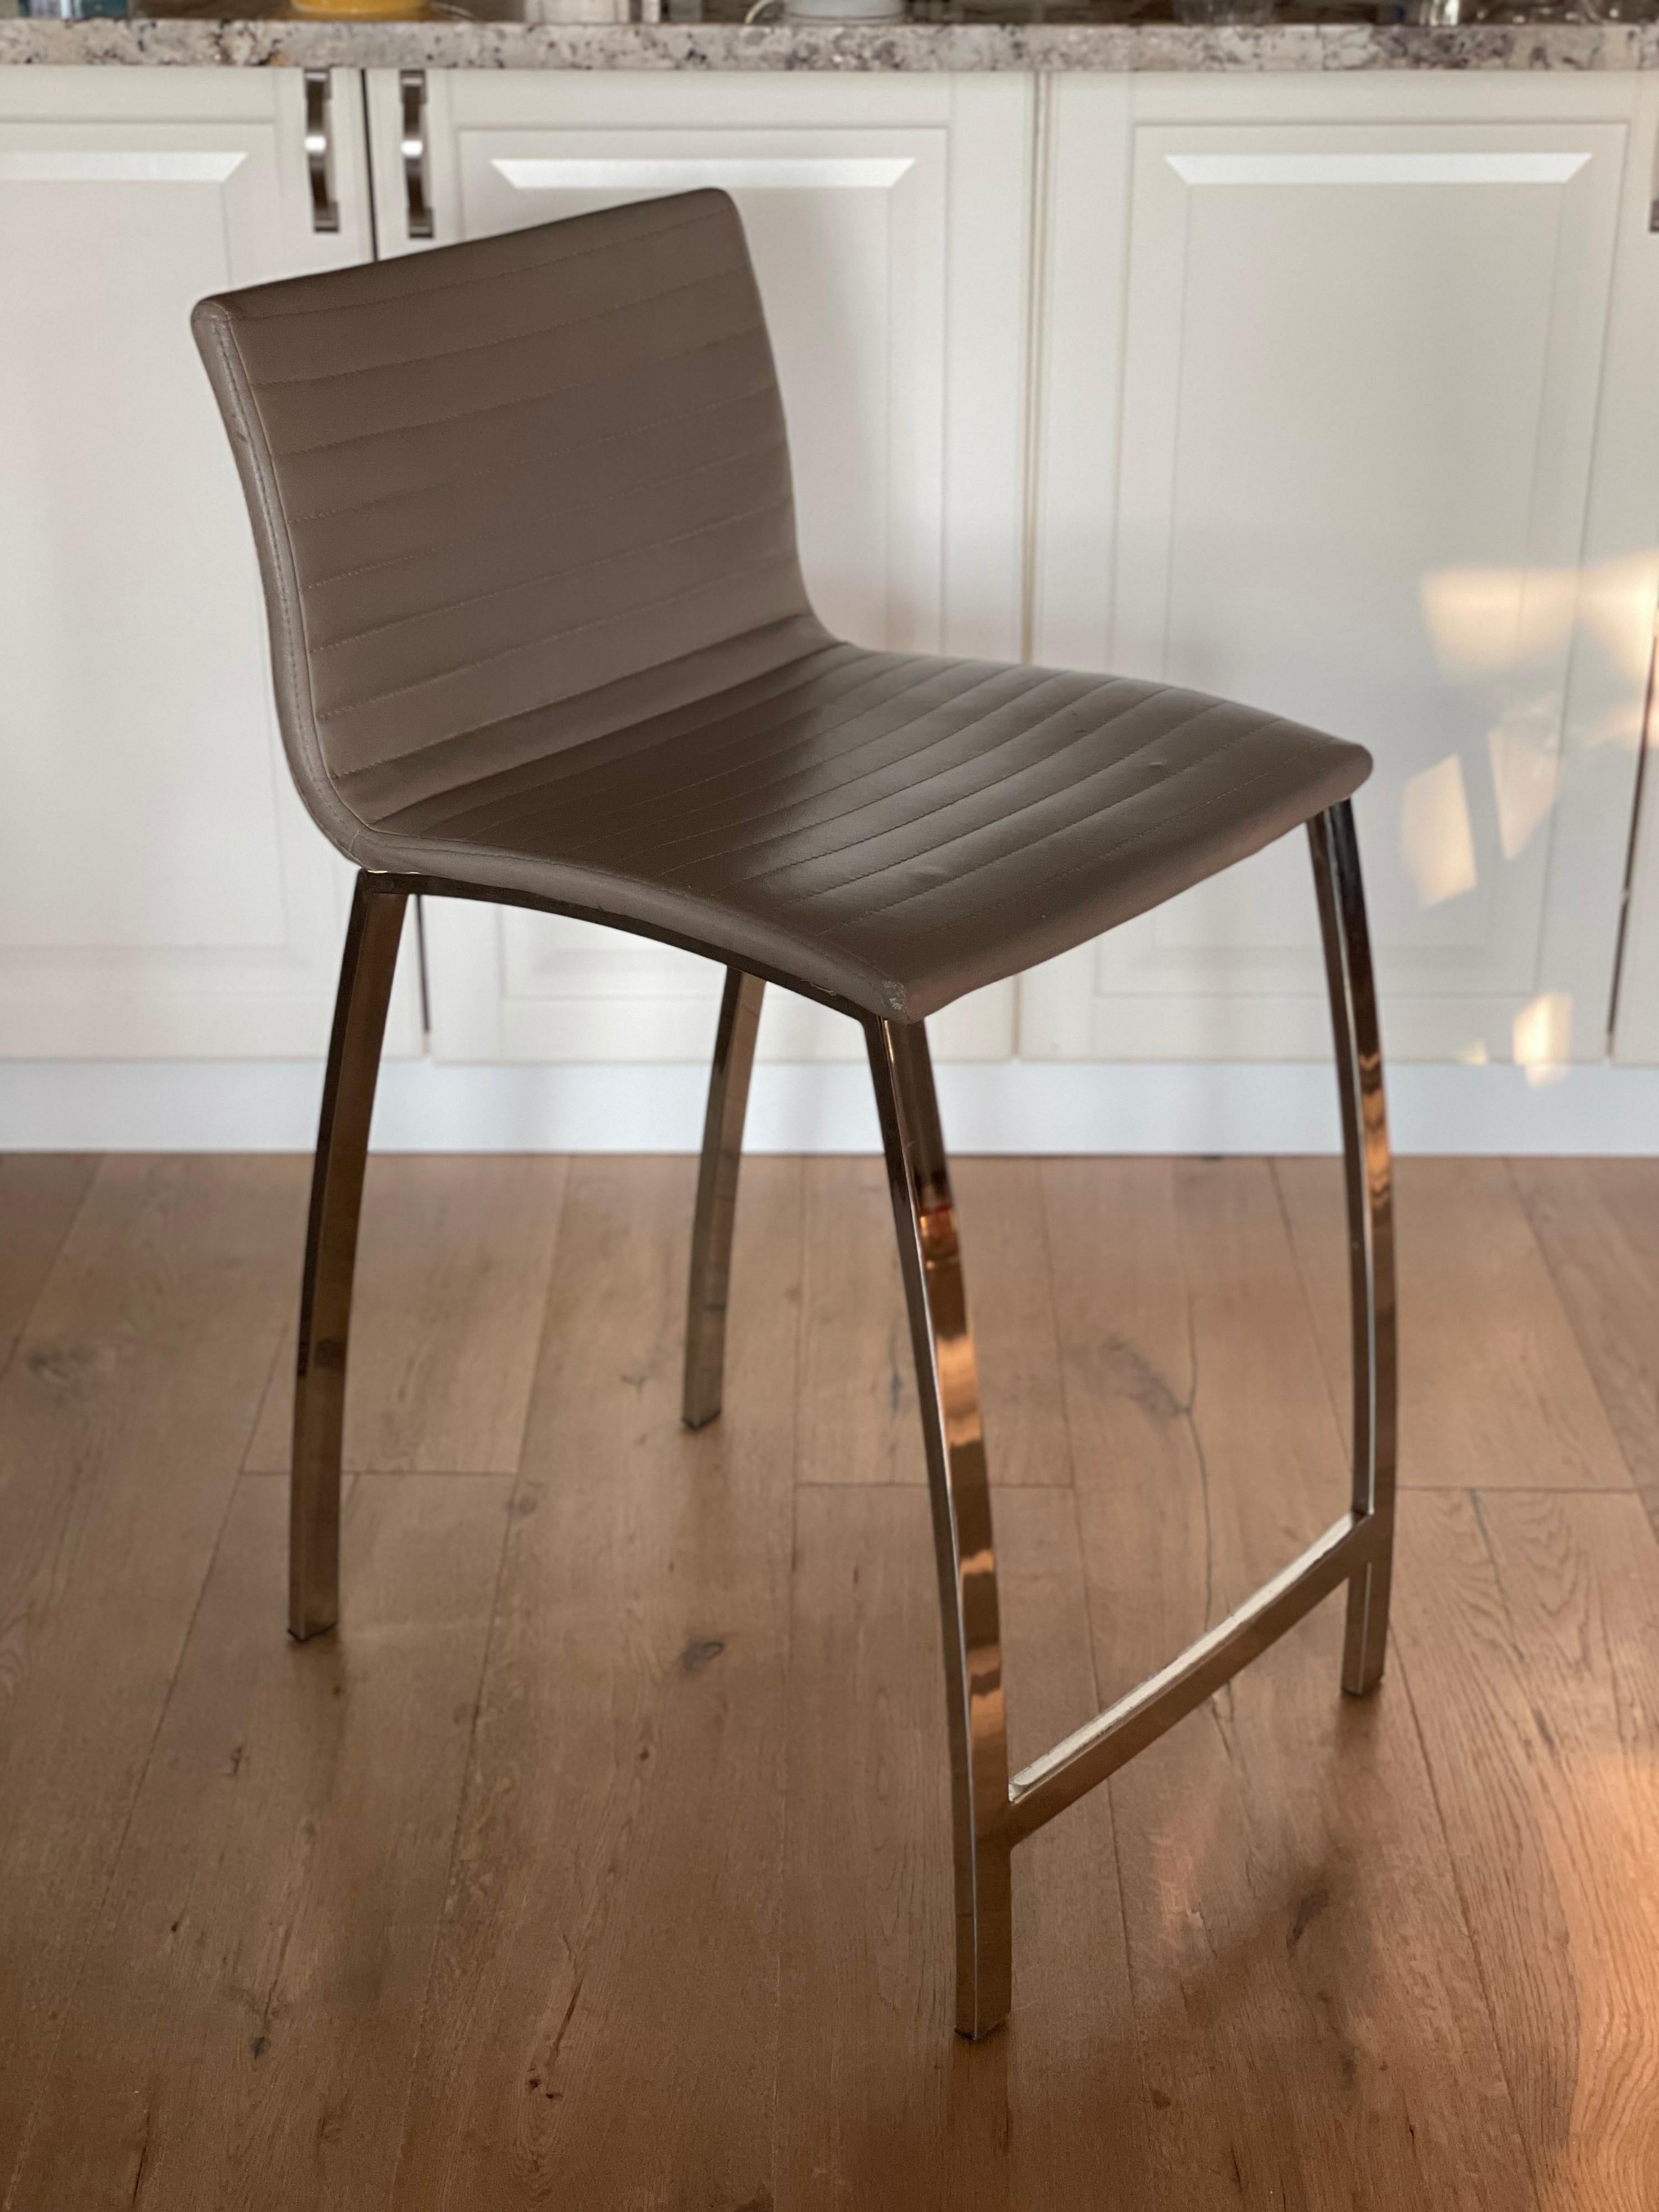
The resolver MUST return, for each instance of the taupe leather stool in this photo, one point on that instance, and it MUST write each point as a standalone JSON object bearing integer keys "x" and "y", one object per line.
{"x": 540, "y": 636}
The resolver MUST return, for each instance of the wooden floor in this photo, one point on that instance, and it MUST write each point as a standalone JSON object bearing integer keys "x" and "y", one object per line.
{"x": 602, "y": 1860}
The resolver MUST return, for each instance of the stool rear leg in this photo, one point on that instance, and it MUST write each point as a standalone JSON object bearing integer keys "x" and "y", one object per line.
{"x": 1369, "y": 1178}
{"x": 367, "y": 966}
{"x": 717, "y": 1197}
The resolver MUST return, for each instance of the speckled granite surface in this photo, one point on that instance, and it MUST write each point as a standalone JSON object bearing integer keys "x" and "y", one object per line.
{"x": 293, "y": 44}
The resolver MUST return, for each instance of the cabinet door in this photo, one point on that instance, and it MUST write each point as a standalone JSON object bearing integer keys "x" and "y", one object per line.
{"x": 1359, "y": 480}
{"x": 161, "y": 892}
{"x": 887, "y": 218}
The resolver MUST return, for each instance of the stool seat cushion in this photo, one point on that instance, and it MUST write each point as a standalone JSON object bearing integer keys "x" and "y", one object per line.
{"x": 891, "y": 829}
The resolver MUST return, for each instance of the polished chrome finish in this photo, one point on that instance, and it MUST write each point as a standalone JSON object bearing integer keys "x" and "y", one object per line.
{"x": 319, "y": 162}
{"x": 717, "y": 1196}
{"x": 1073, "y": 1768}
{"x": 990, "y": 1815}
{"x": 930, "y": 1256}
{"x": 1371, "y": 1227}
{"x": 336, "y": 1192}
{"x": 411, "y": 144}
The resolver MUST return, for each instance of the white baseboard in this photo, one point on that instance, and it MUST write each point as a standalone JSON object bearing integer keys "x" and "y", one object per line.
{"x": 214, "y": 1106}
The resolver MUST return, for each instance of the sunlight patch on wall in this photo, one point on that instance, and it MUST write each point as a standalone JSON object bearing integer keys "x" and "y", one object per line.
{"x": 1543, "y": 1036}
{"x": 1436, "y": 838}
{"x": 1484, "y": 621}
{"x": 1522, "y": 753}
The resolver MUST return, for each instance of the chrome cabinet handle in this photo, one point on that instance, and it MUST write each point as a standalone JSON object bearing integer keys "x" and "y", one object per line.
{"x": 411, "y": 86}
{"x": 325, "y": 209}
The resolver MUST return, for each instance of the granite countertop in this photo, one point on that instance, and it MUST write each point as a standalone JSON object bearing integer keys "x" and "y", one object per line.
{"x": 252, "y": 34}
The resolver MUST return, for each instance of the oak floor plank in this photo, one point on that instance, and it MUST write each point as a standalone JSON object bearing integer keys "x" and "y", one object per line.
{"x": 244, "y": 2024}
{"x": 1530, "y": 1631}
{"x": 1311, "y": 2020}
{"x": 879, "y": 2102}
{"x": 123, "y": 1418}
{"x": 859, "y": 1419}
{"x": 1077, "y": 2106}
{"x": 1004, "y": 1236}
{"x": 1493, "y": 1387}
{"x": 453, "y": 1271}
{"x": 1598, "y": 1224}
{"x": 40, "y": 1194}
{"x": 603, "y": 2018}
{"x": 858, "y": 1410}
{"x": 692, "y": 1950}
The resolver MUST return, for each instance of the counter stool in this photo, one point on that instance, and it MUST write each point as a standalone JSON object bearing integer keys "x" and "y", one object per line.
{"x": 540, "y": 636}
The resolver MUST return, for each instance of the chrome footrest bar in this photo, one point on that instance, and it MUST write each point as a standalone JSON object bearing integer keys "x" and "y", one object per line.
{"x": 1073, "y": 1767}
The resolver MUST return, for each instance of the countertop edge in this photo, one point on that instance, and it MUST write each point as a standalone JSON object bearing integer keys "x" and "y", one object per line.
{"x": 181, "y": 43}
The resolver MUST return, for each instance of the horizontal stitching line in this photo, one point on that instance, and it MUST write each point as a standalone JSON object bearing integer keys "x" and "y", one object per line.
{"x": 550, "y": 575}
{"x": 611, "y": 437}
{"x": 517, "y": 337}
{"x": 603, "y": 768}
{"x": 537, "y": 644}
{"x": 580, "y": 506}
{"x": 894, "y": 761}
{"x": 465, "y": 283}
{"x": 1158, "y": 737}
{"x": 774, "y": 756}
{"x": 501, "y": 721}
{"x": 469, "y": 806}
{"x": 904, "y": 898}
{"x": 978, "y": 717}
{"x": 501, "y": 406}
{"x": 1095, "y": 860}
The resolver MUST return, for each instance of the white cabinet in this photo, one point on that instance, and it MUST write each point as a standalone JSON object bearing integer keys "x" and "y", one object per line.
{"x": 889, "y": 221}
{"x": 1335, "y": 421}
{"x": 1332, "y": 394}
{"x": 161, "y": 892}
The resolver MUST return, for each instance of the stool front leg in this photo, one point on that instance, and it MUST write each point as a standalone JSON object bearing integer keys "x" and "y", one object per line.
{"x": 367, "y": 966}
{"x": 948, "y": 1386}
{"x": 717, "y": 1198}
{"x": 1369, "y": 1181}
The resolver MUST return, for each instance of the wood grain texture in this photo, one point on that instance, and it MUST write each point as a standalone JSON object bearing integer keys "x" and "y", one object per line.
{"x": 271, "y": 1922}
{"x": 858, "y": 1421}
{"x": 1598, "y": 1224}
{"x": 40, "y": 1194}
{"x": 123, "y": 1418}
{"x": 1493, "y": 1387}
{"x": 1312, "y": 2025}
{"x": 676, "y": 1933}
{"x": 1004, "y": 1238}
{"x": 453, "y": 1271}
{"x": 603, "y": 2021}
{"x": 1529, "y": 1626}
{"x": 859, "y": 1418}
{"x": 878, "y": 2101}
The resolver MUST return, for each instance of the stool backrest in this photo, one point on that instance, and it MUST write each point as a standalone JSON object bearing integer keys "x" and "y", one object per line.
{"x": 509, "y": 494}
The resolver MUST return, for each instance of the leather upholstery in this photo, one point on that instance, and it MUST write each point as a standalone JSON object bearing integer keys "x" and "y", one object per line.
{"x": 524, "y": 517}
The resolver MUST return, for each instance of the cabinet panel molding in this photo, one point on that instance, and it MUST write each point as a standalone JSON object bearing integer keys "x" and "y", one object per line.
{"x": 161, "y": 893}
{"x": 889, "y": 222}
{"x": 1349, "y": 413}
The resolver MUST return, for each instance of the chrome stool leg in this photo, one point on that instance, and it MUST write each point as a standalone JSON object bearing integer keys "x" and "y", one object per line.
{"x": 1370, "y": 1228}
{"x": 367, "y": 966}
{"x": 993, "y": 1811}
{"x": 948, "y": 1385}
{"x": 717, "y": 1197}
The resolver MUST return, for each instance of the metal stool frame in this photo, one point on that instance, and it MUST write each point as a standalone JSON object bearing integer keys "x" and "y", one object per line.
{"x": 992, "y": 1810}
